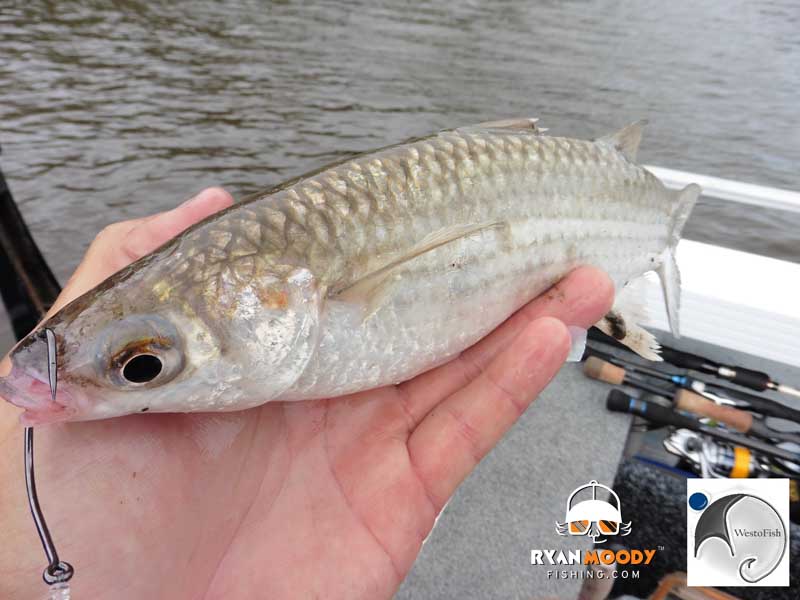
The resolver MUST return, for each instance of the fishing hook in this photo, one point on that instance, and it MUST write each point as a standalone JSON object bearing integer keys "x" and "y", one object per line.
{"x": 57, "y": 571}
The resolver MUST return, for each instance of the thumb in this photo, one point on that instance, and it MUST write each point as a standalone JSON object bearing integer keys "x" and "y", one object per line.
{"x": 151, "y": 232}
{"x": 120, "y": 244}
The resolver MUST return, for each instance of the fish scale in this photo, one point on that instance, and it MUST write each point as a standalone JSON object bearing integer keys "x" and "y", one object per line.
{"x": 366, "y": 272}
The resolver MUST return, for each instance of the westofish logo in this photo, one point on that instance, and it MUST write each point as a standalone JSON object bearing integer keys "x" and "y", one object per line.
{"x": 758, "y": 533}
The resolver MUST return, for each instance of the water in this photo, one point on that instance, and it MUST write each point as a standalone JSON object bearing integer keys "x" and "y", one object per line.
{"x": 109, "y": 113}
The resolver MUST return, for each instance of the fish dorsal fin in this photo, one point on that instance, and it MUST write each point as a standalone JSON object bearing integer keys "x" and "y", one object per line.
{"x": 370, "y": 288}
{"x": 519, "y": 124}
{"x": 627, "y": 139}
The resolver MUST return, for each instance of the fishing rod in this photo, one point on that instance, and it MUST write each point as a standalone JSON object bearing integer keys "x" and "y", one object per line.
{"x": 619, "y": 401}
{"x": 29, "y": 287}
{"x": 755, "y": 380}
{"x": 686, "y": 400}
{"x": 713, "y": 391}
{"x": 28, "y": 290}
{"x": 599, "y": 369}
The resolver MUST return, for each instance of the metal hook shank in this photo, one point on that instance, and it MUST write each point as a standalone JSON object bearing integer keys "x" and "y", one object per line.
{"x": 56, "y": 571}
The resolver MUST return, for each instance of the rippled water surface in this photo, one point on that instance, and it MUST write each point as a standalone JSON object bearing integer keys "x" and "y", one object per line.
{"x": 110, "y": 113}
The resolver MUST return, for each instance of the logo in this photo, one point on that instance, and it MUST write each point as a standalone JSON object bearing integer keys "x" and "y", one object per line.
{"x": 592, "y": 516}
{"x": 738, "y": 532}
{"x": 593, "y": 511}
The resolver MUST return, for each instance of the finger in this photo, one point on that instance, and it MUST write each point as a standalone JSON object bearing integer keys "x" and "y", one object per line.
{"x": 98, "y": 263}
{"x": 582, "y": 298}
{"x": 151, "y": 233}
{"x": 458, "y": 433}
{"x": 120, "y": 244}
{"x": 93, "y": 269}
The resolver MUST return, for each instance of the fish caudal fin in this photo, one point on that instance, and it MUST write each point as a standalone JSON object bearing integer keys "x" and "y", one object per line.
{"x": 668, "y": 271}
{"x": 687, "y": 198}
{"x": 621, "y": 323}
{"x": 670, "y": 278}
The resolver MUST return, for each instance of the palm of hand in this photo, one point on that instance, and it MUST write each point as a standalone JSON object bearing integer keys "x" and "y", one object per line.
{"x": 328, "y": 498}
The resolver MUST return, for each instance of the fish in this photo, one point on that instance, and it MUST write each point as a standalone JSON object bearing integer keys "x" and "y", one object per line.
{"x": 361, "y": 274}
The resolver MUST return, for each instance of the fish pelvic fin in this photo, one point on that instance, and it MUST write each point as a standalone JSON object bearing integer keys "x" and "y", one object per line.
{"x": 621, "y": 323}
{"x": 668, "y": 271}
{"x": 627, "y": 139}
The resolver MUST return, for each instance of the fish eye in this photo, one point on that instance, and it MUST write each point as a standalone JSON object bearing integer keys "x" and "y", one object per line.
{"x": 142, "y": 368}
{"x": 139, "y": 351}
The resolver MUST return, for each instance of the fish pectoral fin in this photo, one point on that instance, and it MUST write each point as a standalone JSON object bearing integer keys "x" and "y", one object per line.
{"x": 373, "y": 287}
{"x": 370, "y": 291}
{"x": 627, "y": 139}
{"x": 621, "y": 323}
{"x": 519, "y": 124}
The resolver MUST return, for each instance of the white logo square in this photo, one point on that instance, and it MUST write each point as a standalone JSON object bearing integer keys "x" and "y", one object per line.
{"x": 737, "y": 532}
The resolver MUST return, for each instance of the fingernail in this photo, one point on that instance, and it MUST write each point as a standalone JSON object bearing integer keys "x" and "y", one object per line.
{"x": 5, "y": 366}
{"x": 578, "y": 347}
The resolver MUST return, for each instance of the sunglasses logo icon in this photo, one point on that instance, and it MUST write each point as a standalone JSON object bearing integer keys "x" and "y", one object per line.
{"x": 589, "y": 515}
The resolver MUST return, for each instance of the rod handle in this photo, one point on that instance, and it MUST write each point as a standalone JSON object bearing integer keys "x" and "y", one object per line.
{"x": 687, "y": 360}
{"x": 735, "y": 418}
{"x": 755, "y": 380}
{"x": 759, "y": 404}
{"x": 619, "y": 401}
{"x": 597, "y": 368}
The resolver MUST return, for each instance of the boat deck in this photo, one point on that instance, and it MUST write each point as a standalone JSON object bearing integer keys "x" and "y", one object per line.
{"x": 481, "y": 545}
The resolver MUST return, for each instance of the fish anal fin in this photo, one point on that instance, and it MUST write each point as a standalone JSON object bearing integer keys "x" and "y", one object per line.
{"x": 627, "y": 139}
{"x": 372, "y": 288}
{"x": 621, "y": 323}
{"x": 635, "y": 337}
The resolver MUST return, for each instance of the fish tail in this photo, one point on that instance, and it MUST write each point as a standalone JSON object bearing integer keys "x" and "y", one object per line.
{"x": 668, "y": 271}
{"x": 687, "y": 198}
{"x": 622, "y": 321}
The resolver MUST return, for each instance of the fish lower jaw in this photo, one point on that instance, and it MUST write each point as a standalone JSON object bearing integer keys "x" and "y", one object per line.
{"x": 50, "y": 413}
{"x": 33, "y": 396}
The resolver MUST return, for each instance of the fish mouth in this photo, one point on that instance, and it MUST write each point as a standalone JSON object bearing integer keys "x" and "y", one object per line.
{"x": 31, "y": 393}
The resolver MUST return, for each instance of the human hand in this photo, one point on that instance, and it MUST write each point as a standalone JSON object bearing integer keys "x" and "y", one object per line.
{"x": 327, "y": 498}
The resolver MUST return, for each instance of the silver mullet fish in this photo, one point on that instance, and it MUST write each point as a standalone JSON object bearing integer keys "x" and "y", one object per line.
{"x": 362, "y": 274}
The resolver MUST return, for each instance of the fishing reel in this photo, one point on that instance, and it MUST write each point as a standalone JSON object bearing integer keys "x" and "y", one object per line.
{"x": 713, "y": 459}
